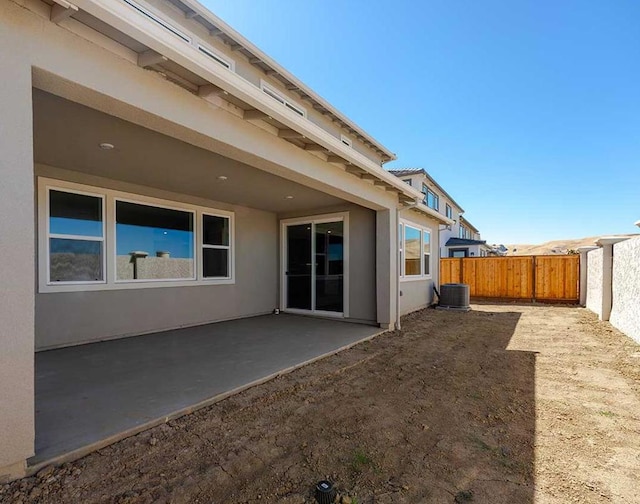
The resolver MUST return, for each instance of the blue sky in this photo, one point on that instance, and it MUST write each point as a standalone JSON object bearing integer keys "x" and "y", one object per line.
{"x": 526, "y": 112}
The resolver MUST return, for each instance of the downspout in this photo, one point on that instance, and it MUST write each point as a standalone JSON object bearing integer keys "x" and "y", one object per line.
{"x": 398, "y": 270}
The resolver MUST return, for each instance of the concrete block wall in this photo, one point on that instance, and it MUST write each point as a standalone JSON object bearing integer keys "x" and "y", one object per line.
{"x": 613, "y": 283}
{"x": 625, "y": 310}
{"x": 594, "y": 281}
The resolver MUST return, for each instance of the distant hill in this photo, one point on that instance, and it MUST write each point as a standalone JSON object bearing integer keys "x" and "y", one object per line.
{"x": 556, "y": 247}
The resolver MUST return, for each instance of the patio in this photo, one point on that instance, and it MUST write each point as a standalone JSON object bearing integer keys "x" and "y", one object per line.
{"x": 91, "y": 395}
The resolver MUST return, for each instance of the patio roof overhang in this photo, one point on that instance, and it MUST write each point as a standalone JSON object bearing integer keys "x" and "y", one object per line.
{"x": 180, "y": 62}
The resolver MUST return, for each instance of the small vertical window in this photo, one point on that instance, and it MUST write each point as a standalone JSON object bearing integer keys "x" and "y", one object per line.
{"x": 401, "y": 249}
{"x": 412, "y": 251}
{"x": 216, "y": 253}
{"x": 449, "y": 211}
{"x": 426, "y": 251}
{"x": 75, "y": 237}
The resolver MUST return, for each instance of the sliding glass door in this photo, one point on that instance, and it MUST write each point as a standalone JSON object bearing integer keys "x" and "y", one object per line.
{"x": 314, "y": 266}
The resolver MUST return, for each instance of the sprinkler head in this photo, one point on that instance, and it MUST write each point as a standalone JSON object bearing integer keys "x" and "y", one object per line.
{"x": 325, "y": 492}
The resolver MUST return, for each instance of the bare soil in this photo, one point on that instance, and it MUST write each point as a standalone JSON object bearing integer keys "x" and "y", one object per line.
{"x": 504, "y": 404}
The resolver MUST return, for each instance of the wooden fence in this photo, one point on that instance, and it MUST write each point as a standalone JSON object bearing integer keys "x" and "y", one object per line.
{"x": 534, "y": 278}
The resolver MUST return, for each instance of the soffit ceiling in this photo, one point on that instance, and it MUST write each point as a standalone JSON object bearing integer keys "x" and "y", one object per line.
{"x": 67, "y": 135}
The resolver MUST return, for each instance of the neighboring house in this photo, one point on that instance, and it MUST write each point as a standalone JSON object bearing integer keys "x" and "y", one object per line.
{"x": 160, "y": 171}
{"x": 460, "y": 239}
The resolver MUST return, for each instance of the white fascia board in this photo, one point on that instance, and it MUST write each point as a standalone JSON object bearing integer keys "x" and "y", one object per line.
{"x": 205, "y": 13}
{"x": 122, "y": 17}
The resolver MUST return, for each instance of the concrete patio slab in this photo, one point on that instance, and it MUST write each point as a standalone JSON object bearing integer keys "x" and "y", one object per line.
{"x": 92, "y": 395}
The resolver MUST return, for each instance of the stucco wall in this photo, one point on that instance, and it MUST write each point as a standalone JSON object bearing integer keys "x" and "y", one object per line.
{"x": 594, "y": 281}
{"x": 417, "y": 294}
{"x": 17, "y": 249}
{"x": 625, "y": 312}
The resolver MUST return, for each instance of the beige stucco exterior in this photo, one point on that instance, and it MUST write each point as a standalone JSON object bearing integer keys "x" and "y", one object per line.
{"x": 173, "y": 144}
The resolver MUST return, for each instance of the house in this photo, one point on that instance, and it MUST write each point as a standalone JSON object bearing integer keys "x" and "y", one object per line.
{"x": 160, "y": 171}
{"x": 460, "y": 239}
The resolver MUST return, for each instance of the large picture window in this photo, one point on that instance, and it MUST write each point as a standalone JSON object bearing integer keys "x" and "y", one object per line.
{"x": 94, "y": 239}
{"x": 414, "y": 251}
{"x": 153, "y": 243}
{"x": 75, "y": 237}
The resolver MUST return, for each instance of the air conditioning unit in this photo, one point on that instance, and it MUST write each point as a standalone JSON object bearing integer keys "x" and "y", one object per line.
{"x": 454, "y": 296}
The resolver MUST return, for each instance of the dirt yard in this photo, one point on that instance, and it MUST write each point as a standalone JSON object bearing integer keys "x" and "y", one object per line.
{"x": 505, "y": 404}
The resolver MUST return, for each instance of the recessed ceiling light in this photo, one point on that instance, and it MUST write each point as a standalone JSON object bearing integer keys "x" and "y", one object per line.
{"x": 223, "y": 177}
{"x": 106, "y": 146}
{"x": 288, "y": 197}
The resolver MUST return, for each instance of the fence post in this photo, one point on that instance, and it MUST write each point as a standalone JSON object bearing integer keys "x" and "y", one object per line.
{"x": 533, "y": 279}
{"x": 584, "y": 268}
{"x": 607, "y": 244}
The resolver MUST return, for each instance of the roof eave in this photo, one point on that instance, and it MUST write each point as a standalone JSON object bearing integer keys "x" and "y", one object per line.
{"x": 294, "y": 82}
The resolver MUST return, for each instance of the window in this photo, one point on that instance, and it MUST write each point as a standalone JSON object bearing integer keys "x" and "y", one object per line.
{"x": 75, "y": 229}
{"x": 216, "y": 57}
{"x": 462, "y": 231}
{"x": 153, "y": 243}
{"x": 414, "y": 245}
{"x": 284, "y": 101}
{"x": 216, "y": 239}
{"x": 411, "y": 251}
{"x": 426, "y": 252}
{"x": 346, "y": 141}
{"x": 158, "y": 21}
{"x": 149, "y": 242}
{"x": 431, "y": 199}
{"x": 449, "y": 211}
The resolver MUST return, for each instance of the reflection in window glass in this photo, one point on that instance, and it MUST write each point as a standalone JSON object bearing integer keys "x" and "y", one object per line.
{"x": 76, "y": 236}
{"x": 75, "y": 260}
{"x": 411, "y": 251}
{"x": 215, "y": 230}
{"x": 74, "y": 214}
{"x": 153, "y": 243}
{"x": 215, "y": 263}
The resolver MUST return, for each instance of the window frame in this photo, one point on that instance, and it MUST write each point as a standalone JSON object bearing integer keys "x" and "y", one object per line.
{"x": 448, "y": 211}
{"x": 402, "y": 252}
{"x": 202, "y": 246}
{"x": 109, "y": 198}
{"x": 285, "y": 101}
{"x": 48, "y": 235}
